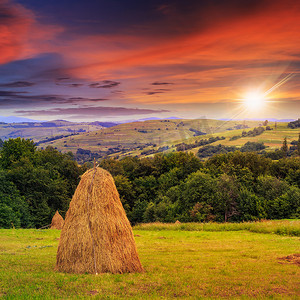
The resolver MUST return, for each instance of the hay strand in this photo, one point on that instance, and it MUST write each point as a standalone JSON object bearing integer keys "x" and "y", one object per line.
{"x": 97, "y": 236}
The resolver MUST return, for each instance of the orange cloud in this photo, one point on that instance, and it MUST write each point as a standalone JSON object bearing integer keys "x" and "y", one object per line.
{"x": 211, "y": 54}
{"x": 21, "y": 35}
{"x": 272, "y": 34}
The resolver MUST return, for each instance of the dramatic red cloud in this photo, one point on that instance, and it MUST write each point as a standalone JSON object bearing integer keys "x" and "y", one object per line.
{"x": 14, "y": 25}
{"x": 210, "y": 52}
{"x": 273, "y": 31}
{"x": 21, "y": 36}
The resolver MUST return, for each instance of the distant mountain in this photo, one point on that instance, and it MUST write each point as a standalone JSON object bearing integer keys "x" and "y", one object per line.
{"x": 156, "y": 118}
{"x": 259, "y": 119}
{"x": 104, "y": 124}
{"x": 13, "y": 119}
{"x": 149, "y": 119}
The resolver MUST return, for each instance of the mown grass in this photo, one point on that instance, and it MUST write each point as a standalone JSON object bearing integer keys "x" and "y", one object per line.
{"x": 178, "y": 264}
{"x": 281, "y": 227}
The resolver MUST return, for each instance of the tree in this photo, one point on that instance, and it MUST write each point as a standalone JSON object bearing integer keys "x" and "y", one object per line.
{"x": 294, "y": 124}
{"x": 126, "y": 191}
{"x": 14, "y": 211}
{"x": 14, "y": 149}
{"x": 46, "y": 179}
{"x": 227, "y": 195}
{"x": 202, "y": 212}
{"x": 197, "y": 188}
{"x": 146, "y": 188}
{"x": 113, "y": 166}
{"x": 149, "y": 214}
{"x": 253, "y": 146}
{"x": 298, "y": 145}
{"x": 250, "y": 206}
{"x": 169, "y": 179}
{"x": 271, "y": 189}
{"x": 284, "y": 147}
{"x": 60, "y": 164}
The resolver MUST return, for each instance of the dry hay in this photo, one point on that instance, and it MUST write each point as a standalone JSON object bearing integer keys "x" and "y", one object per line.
{"x": 57, "y": 221}
{"x": 177, "y": 222}
{"x": 97, "y": 236}
{"x": 293, "y": 258}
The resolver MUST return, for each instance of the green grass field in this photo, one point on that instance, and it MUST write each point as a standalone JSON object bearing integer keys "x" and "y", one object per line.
{"x": 151, "y": 135}
{"x": 38, "y": 133}
{"x": 169, "y": 133}
{"x": 193, "y": 263}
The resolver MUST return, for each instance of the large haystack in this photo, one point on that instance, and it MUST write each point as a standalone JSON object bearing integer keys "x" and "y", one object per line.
{"x": 97, "y": 236}
{"x": 57, "y": 221}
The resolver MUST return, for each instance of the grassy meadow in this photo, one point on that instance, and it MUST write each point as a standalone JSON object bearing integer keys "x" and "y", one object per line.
{"x": 184, "y": 261}
{"x": 149, "y": 135}
{"x": 164, "y": 133}
{"x": 38, "y": 132}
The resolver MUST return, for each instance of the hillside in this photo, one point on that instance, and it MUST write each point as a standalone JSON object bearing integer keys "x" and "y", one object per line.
{"x": 45, "y": 130}
{"x": 145, "y": 138}
{"x": 149, "y": 137}
{"x": 142, "y": 138}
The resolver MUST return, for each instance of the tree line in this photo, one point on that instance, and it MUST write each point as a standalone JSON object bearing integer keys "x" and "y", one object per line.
{"x": 34, "y": 183}
{"x": 236, "y": 186}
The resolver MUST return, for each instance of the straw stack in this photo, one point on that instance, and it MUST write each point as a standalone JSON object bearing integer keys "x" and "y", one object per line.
{"x": 97, "y": 236}
{"x": 57, "y": 221}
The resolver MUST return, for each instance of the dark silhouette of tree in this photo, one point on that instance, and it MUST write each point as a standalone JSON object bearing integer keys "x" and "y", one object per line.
{"x": 285, "y": 147}
{"x": 298, "y": 145}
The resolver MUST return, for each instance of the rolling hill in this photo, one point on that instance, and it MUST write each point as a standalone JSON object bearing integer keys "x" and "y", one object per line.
{"x": 49, "y": 129}
{"x": 148, "y": 137}
{"x": 145, "y": 138}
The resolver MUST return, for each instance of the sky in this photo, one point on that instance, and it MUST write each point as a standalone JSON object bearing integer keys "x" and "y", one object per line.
{"x": 124, "y": 59}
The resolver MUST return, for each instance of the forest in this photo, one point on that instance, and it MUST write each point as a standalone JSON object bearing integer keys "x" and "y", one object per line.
{"x": 235, "y": 186}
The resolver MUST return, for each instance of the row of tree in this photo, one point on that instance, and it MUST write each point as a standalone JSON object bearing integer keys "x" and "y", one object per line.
{"x": 236, "y": 186}
{"x": 34, "y": 183}
{"x": 228, "y": 187}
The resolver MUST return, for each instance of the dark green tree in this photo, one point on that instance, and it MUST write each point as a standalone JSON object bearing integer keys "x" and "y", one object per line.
{"x": 285, "y": 147}
{"x": 250, "y": 206}
{"x": 14, "y": 149}
{"x": 298, "y": 145}
{"x": 227, "y": 195}
{"x": 149, "y": 214}
{"x": 197, "y": 188}
{"x": 14, "y": 210}
{"x": 126, "y": 191}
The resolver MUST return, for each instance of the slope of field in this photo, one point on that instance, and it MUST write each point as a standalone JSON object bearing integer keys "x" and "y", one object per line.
{"x": 38, "y": 131}
{"x": 272, "y": 139}
{"x": 182, "y": 264}
{"x": 144, "y": 138}
{"x": 134, "y": 137}
{"x": 149, "y": 137}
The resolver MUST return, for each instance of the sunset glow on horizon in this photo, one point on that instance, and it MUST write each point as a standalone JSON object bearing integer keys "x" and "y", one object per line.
{"x": 120, "y": 60}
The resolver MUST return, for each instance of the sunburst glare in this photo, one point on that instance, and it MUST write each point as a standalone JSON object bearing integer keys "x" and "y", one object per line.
{"x": 254, "y": 100}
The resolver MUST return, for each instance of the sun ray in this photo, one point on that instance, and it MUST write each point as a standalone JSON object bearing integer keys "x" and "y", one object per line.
{"x": 280, "y": 83}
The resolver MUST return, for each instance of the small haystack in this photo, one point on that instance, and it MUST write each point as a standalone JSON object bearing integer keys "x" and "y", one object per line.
{"x": 57, "y": 221}
{"x": 177, "y": 222}
{"x": 97, "y": 236}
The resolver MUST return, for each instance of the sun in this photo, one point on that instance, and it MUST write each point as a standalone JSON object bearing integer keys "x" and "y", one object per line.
{"x": 254, "y": 100}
